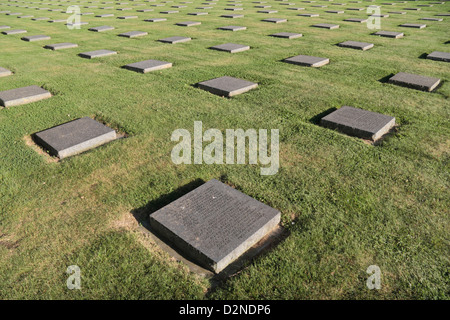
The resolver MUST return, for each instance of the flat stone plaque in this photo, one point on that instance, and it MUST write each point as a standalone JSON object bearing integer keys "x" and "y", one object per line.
{"x": 174, "y": 40}
{"x": 309, "y": 15}
{"x": 358, "y": 122}
{"x": 439, "y": 56}
{"x": 107, "y": 15}
{"x": 274, "y": 20}
{"x": 101, "y": 28}
{"x": 356, "y": 20}
{"x": 232, "y": 16}
{"x": 214, "y": 224}
{"x": 19, "y": 96}
{"x": 155, "y": 20}
{"x": 60, "y": 46}
{"x": 356, "y": 45}
{"x": 397, "y": 12}
{"x": 227, "y": 86}
{"x": 198, "y": 13}
{"x": 15, "y": 31}
{"x": 326, "y": 26}
{"x": 286, "y": 35}
{"x": 413, "y": 25}
{"x": 4, "y": 27}
{"x": 133, "y": 34}
{"x": 97, "y": 54}
{"x": 415, "y": 81}
{"x": 188, "y": 23}
{"x": 169, "y": 12}
{"x": 127, "y": 17}
{"x": 148, "y": 66}
{"x": 307, "y": 61}
{"x": 74, "y": 137}
{"x": 335, "y": 11}
{"x": 231, "y": 47}
{"x": 389, "y": 34}
{"x": 5, "y": 72}
{"x": 232, "y": 28}
{"x": 35, "y": 38}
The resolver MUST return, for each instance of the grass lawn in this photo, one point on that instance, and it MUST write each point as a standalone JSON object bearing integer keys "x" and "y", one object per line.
{"x": 346, "y": 204}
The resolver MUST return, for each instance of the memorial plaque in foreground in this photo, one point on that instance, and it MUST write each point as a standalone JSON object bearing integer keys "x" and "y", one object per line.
{"x": 214, "y": 224}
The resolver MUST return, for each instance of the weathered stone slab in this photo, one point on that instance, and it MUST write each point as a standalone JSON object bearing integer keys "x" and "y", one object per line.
{"x": 97, "y": 54}
{"x": 5, "y": 72}
{"x": 36, "y": 38}
{"x": 356, "y": 20}
{"x": 227, "y": 86}
{"x": 127, "y": 17}
{"x": 74, "y": 137}
{"x": 296, "y": 8}
{"x": 169, "y": 12}
{"x": 25, "y": 17}
{"x": 133, "y": 34}
{"x": 355, "y": 9}
{"x": 274, "y": 20}
{"x": 356, "y": 45}
{"x": 144, "y": 10}
{"x": 442, "y": 15}
{"x": 415, "y": 81}
{"x": 309, "y": 15}
{"x": 4, "y": 27}
{"x": 174, "y": 40}
{"x": 15, "y": 31}
{"x": 148, "y": 66}
{"x": 40, "y": 19}
{"x": 60, "y": 46}
{"x": 188, "y": 23}
{"x": 155, "y": 20}
{"x": 326, "y": 26}
{"x": 267, "y": 11}
{"x": 307, "y": 61}
{"x": 335, "y": 11}
{"x": 231, "y": 47}
{"x": 389, "y": 34}
{"x": 107, "y": 15}
{"x": 358, "y": 122}
{"x": 198, "y": 13}
{"x": 101, "y": 28}
{"x": 397, "y": 12}
{"x": 432, "y": 19}
{"x": 286, "y": 35}
{"x": 413, "y": 25}
{"x": 19, "y": 96}
{"x": 232, "y": 28}
{"x": 57, "y": 20}
{"x": 214, "y": 224}
{"x": 439, "y": 56}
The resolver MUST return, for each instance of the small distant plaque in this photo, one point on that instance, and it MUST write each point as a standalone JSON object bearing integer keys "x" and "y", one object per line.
{"x": 214, "y": 224}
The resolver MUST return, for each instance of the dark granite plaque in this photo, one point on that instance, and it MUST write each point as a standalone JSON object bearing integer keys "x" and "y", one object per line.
{"x": 231, "y": 47}
{"x": 214, "y": 224}
{"x": 358, "y": 122}
{"x": 307, "y": 61}
{"x": 74, "y": 137}
{"x": 227, "y": 86}
{"x": 19, "y": 96}
{"x": 415, "y": 81}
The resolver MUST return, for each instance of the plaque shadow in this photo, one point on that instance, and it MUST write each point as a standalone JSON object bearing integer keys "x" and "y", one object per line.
{"x": 265, "y": 245}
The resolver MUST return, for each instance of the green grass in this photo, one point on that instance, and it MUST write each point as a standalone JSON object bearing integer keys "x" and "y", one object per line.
{"x": 346, "y": 204}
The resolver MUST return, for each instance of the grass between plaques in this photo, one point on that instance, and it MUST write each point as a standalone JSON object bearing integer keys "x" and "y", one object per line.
{"x": 347, "y": 205}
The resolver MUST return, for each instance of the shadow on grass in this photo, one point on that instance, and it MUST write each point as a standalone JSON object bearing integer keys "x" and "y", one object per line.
{"x": 316, "y": 118}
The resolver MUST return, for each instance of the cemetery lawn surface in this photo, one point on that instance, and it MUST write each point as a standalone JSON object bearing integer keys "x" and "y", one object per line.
{"x": 345, "y": 204}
